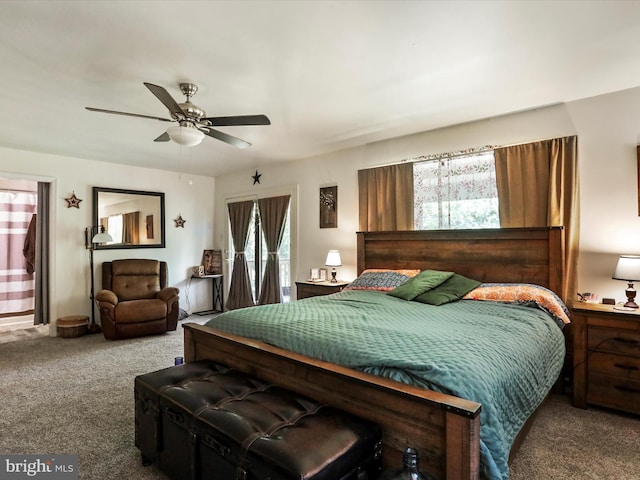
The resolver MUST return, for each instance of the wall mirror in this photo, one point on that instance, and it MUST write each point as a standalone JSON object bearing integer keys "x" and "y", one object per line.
{"x": 134, "y": 219}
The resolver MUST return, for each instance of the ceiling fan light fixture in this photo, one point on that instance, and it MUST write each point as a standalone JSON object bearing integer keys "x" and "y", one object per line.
{"x": 186, "y": 136}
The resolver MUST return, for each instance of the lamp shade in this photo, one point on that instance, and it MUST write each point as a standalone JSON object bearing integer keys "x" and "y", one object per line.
{"x": 103, "y": 237}
{"x": 185, "y": 135}
{"x": 333, "y": 259}
{"x": 628, "y": 268}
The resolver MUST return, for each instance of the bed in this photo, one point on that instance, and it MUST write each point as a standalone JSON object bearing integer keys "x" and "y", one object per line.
{"x": 445, "y": 428}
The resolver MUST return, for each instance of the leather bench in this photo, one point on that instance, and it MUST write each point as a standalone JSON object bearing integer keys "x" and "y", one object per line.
{"x": 204, "y": 420}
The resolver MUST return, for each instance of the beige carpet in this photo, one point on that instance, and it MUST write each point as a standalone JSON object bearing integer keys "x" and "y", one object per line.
{"x": 11, "y": 334}
{"x": 75, "y": 396}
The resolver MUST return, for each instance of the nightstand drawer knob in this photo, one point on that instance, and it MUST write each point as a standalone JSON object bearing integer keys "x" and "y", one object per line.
{"x": 628, "y": 341}
{"x": 626, "y": 367}
{"x": 626, "y": 389}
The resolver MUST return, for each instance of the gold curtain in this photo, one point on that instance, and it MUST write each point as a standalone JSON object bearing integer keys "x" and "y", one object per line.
{"x": 385, "y": 197}
{"x": 131, "y": 228}
{"x": 538, "y": 186}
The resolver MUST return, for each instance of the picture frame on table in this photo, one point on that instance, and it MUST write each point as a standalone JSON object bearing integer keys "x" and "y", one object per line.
{"x": 315, "y": 274}
{"x": 322, "y": 274}
{"x": 212, "y": 261}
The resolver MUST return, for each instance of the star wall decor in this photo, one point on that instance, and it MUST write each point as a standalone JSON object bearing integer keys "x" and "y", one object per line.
{"x": 180, "y": 221}
{"x": 256, "y": 177}
{"x": 73, "y": 201}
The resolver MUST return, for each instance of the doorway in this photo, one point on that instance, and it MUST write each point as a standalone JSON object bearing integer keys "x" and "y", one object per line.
{"x": 256, "y": 253}
{"x": 18, "y": 207}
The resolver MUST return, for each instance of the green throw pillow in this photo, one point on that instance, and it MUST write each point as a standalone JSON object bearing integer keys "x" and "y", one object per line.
{"x": 422, "y": 282}
{"x": 453, "y": 288}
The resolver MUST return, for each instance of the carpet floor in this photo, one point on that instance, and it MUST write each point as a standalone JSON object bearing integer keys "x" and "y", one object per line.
{"x": 75, "y": 396}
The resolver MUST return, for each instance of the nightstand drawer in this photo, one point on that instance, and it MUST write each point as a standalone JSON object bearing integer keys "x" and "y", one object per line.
{"x": 614, "y": 392}
{"x": 620, "y": 366}
{"x": 614, "y": 340}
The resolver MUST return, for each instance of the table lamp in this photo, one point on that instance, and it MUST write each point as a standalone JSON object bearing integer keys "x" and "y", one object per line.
{"x": 333, "y": 260}
{"x": 628, "y": 269}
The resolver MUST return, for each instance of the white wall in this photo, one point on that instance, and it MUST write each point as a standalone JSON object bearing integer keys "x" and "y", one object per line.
{"x": 607, "y": 126}
{"x": 608, "y": 130}
{"x": 70, "y": 274}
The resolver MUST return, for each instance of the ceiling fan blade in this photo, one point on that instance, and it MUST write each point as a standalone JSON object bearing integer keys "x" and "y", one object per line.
{"x": 236, "y": 142}
{"x": 238, "y": 120}
{"x": 168, "y": 101}
{"x": 101, "y": 110}
{"x": 163, "y": 138}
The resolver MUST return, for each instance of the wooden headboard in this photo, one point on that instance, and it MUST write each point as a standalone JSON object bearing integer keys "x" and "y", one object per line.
{"x": 511, "y": 255}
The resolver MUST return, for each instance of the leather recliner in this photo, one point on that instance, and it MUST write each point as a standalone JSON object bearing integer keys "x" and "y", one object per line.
{"x": 135, "y": 300}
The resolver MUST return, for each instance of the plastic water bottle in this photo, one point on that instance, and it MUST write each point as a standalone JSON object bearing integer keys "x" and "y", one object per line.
{"x": 410, "y": 468}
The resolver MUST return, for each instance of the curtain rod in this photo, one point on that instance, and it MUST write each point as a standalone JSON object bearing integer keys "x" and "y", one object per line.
{"x": 461, "y": 153}
{"x": 438, "y": 156}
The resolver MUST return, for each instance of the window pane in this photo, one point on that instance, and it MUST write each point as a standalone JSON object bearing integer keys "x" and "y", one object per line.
{"x": 284, "y": 253}
{"x": 114, "y": 228}
{"x": 456, "y": 193}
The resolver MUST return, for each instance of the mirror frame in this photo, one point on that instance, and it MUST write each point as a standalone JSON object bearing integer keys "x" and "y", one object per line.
{"x": 96, "y": 218}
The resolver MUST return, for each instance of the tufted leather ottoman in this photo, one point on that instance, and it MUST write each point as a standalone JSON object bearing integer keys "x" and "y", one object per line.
{"x": 204, "y": 420}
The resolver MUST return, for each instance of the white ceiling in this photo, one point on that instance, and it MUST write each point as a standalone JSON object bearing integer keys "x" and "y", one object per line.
{"x": 329, "y": 75}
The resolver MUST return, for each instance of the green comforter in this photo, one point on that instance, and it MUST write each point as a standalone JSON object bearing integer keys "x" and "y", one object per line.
{"x": 505, "y": 357}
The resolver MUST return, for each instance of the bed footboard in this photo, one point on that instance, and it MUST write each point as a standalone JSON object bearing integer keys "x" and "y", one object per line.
{"x": 444, "y": 429}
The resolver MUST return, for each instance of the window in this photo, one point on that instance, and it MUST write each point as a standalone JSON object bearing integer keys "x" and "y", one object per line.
{"x": 456, "y": 192}
{"x": 115, "y": 228}
{"x": 256, "y": 254}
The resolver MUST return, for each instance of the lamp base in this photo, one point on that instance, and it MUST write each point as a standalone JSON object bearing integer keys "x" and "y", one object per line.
{"x": 333, "y": 277}
{"x": 94, "y": 328}
{"x": 630, "y": 292}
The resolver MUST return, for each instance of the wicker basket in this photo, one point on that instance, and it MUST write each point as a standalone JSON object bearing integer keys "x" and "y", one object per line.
{"x": 72, "y": 326}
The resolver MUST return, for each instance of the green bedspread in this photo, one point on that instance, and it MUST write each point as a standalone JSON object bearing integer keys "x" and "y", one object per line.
{"x": 506, "y": 357}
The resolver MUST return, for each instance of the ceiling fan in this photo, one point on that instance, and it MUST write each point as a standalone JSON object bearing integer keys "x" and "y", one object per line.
{"x": 192, "y": 122}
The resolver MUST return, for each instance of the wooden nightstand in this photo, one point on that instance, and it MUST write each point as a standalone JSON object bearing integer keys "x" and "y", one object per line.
{"x": 606, "y": 362}
{"x": 314, "y": 289}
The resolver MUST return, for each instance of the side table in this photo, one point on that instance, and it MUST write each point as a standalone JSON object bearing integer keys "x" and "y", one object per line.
{"x": 606, "y": 346}
{"x": 217, "y": 300}
{"x": 306, "y": 289}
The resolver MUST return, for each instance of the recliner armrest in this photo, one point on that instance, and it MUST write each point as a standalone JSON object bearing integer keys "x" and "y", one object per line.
{"x": 168, "y": 293}
{"x": 107, "y": 296}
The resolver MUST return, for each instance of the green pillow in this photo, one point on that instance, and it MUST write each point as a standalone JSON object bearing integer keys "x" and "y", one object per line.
{"x": 453, "y": 288}
{"x": 425, "y": 280}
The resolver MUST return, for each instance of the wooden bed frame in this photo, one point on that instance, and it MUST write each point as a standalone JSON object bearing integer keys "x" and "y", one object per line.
{"x": 445, "y": 429}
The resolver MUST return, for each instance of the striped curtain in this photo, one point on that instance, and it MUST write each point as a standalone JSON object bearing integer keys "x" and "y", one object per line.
{"x": 17, "y": 251}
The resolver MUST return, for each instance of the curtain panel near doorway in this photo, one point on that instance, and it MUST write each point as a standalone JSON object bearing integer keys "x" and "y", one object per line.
{"x": 240, "y": 286}
{"x": 41, "y": 314}
{"x": 17, "y": 214}
{"x": 273, "y": 214}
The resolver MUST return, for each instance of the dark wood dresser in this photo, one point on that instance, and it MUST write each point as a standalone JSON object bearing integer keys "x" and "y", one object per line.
{"x": 606, "y": 348}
